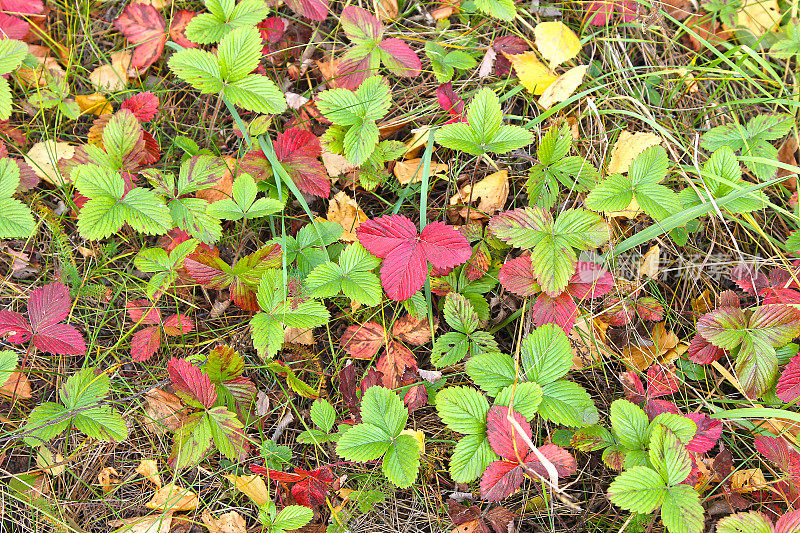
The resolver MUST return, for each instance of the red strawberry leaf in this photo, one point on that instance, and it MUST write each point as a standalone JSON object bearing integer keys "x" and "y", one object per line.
{"x": 143, "y": 311}
{"x": 298, "y": 150}
{"x": 451, "y": 102}
{"x": 312, "y": 9}
{"x": 393, "y": 364}
{"x": 412, "y": 329}
{"x": 191, "y": 384}
{"x": 590, "y": 281}
{"x": 145, "y": 343}
{"x": 406, "y": 252}
{"x": 702, "y": 352}
{"x": 788, "y": 388}
{"x": 778, "y": 452}
{"x": 655, "y": 406}
{"x": 177, "y": 28}
{"x": 312, "y": 490}
{"x": 400, "y": 59}
{"x": 272, "y": 29}
{"x": 47, "y": 307}
{"x": 661, "y": 381}
{"x": 560, "y": 311}
{"x": 504, "y": 438}
{"x": 649, "y": 309}
{"x": 210, "y": 271}
{"x": 562, "y": 460}
{"x": 13, "y": 27}
{"x": 363, "y": 341}
{"x": 177, "y": 325}
{"x": 145, "y": 27}
{"x": 750, "y": 281}
{"x": 501, "y": 479}
{"x": 708, "y": 433}
{"x": 144, "y": 106}
{"x": 516, "y": 275}
{"x": 633, "y": 387}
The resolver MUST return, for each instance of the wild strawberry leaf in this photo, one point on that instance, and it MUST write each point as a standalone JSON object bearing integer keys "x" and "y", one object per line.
{"x": 369, "y": 49}
{"x": 590, "y": 280}
{"x": 501, "y": 479}
{"x": 48, "y": 306}
{"x": 504, "y": 438}
{"x": 279, "y": 310}
{"x": 484, "y": 131}
{"x": 363, "y": 341}
{"x": 756, "y": 336}
{"x": 297, "y": 150}
{"x": 311, "y": 9}
{"x": 407, "y": 253}
{"x": 552, "y": 242}
{"x": 146, "y": 28}
{"x": 144, "y": 105}
{"x": 209, "y": 270}
{"x": 351, "y": 275}
{"x": 228, "y": 433}
{"x": 777, "y": 451}
{"x": 191, "y": 383}
{"x": 560, "y": 311}
{"x": 788, "y": 388}
{"x": 516, "y": 275}
{"x": 749, "y": 522}
{"x": 708, "y": 433}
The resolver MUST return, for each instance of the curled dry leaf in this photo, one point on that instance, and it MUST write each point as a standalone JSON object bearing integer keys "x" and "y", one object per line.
{"x": 108, "y": 478}
{"x": 628, "y": 147}
{"x": 336, "y": 164}
{"x": 299, "y": 335}
{"x": 253, "y": 486}
{"x": 163, "y": 411}
{"x": 563, "y": 87}
{"x": 95, "y": 104}
{"x": 386, "y": 9}
{"x": 649, "y": 265}
{"x": 411, "y": 170}
{"x": 18, "y": 386}
{"x": 112, "y": 76}
{"x": 44, "y": 157}
{"x": 148, "y": 469}
{"x": 231, "y": 522}
{"x": 589, "y": 342}
{"x": 661, "y": 346}
{"x": 345, "y": 211}
{"x": 492, "y": 191}
{"x": 160, "y": 523}
{"x": 173, "y": 497}
{"x": 48, "y": 463}
{"x": 748, "y": 480}
{"x": 48, "y": 68}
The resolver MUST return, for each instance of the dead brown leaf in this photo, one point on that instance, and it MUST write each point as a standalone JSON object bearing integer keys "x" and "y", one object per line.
{"x": 94, "y": 103}
{"x": 748, "y": 480}
{"x": 163, "y": 411}
{"x": 108, "y": 478}
{"x": 336, "y": 164}
{"x": 223, "y": 188}
{"x": 589, "y": 342}
{"x": 112, "y": 76}
{"x": 231, "y": 522}
{"x": 411, "y": 170}
{"x": 788, "y": 154}
{"x": 44, "y": 157}
{"x": 649, "y": 265}
{"x": 345, "y": 211}
{"x": 299, "y": 335}
{"x": 386, "y": 9}
{"x": 148, "y": 468}
{"x": 17, "y": 385}
{"x": 492, "y": 191}
{"x": 143, "y": 524}
{"x": 658, "y": 347}
{"x": 563, "y": 87}
{"x": 173, "y": 497}
{"x": 707, "y": 29}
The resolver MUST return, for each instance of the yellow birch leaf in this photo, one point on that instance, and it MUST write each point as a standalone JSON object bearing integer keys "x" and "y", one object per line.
{"x": 532, "y": 73}
{"x": 563, "y": 87}
{"x": 556, "y": 42}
